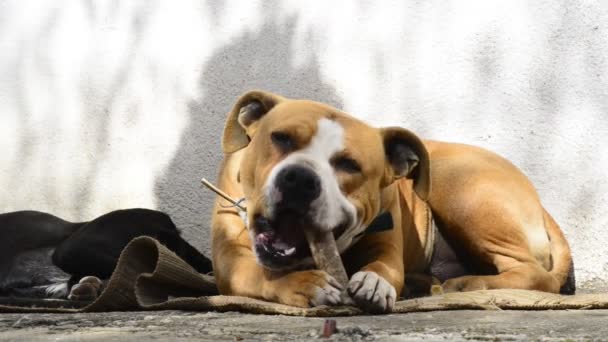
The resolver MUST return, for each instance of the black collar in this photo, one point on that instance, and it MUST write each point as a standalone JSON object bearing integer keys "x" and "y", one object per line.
{"x": 381, "y": 223}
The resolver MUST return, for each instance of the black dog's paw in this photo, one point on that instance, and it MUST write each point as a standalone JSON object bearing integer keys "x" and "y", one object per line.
{"x": 87, "y": 289}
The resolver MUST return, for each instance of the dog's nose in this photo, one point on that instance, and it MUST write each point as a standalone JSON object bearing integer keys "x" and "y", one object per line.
{"x": 299, "y": 185}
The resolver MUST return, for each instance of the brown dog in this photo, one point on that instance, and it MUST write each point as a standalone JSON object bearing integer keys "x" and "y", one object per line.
{"x": 301, "y": 164}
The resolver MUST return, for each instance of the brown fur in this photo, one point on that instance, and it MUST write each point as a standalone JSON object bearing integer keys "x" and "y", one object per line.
{"x": 483, "y": 204}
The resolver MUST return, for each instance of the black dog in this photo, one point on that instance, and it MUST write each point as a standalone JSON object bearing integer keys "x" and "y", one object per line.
{"x": 43, "y": 256}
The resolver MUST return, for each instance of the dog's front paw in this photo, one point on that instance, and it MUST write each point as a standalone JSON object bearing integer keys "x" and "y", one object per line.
{"x": 88, "y": 288}
{"x": 371, "y": 292}
{"x": 305, "y": 289}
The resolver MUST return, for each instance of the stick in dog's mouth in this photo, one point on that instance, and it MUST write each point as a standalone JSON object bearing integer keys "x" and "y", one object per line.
{"x": 325, "y": 254}
{"x": 327, "y": 258}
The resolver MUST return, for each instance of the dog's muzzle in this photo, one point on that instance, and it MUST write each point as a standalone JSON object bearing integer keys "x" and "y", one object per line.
{"x": 299, "y": 186}
{"x": 294, "y": 198}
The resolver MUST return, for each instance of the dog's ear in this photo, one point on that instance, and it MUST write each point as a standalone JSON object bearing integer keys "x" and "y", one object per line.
{"x": 242, "y": 119}
{"x": 407, "y": 157}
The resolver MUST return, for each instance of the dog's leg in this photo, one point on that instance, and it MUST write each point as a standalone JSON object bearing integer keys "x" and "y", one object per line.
{"x": 491, "y": 214}
{"x": 523, "y": 276}
{"x": 242, "y": 276}
{"x": 506, "y": 250}
{"x": 377, "y": 263}
{"x": 31, "y": 274}
{"x": 237, "y": 272}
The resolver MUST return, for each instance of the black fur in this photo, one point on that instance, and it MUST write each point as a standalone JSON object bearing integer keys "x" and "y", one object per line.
{"x": 28, "y": 240}
{"x": 38, "y": 249}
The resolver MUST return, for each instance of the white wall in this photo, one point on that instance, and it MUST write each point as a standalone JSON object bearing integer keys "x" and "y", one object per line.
{"x": 114, "y": 104}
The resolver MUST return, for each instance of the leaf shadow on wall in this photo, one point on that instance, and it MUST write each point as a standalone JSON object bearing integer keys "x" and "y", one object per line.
{"x": 255, "y": 60}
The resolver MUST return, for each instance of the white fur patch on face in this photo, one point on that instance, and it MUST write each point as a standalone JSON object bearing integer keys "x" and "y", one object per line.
{"x": 331, "y": 208}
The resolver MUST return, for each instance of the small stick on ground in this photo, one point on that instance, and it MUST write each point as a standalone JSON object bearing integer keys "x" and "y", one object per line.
{"x": 329, "y": 328}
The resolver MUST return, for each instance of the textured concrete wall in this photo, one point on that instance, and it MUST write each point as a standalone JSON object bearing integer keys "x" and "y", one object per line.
{"x": 113, "y": 104}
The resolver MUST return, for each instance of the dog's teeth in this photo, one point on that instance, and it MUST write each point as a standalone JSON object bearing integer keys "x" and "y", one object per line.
{"x": 290, "y": 251}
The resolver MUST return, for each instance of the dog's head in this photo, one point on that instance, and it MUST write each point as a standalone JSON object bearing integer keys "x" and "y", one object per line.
{"x": 310, "y": 166}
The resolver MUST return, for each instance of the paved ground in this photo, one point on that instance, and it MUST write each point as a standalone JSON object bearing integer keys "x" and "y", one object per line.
{"x": 190, "y": 326}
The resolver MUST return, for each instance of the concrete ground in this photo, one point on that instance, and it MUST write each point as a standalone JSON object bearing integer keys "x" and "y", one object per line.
{"x": 192, "y": 326}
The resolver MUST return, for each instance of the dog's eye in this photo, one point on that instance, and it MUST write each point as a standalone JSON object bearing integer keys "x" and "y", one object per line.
{"x": 346, "y": 164}
{"x": 283, "y": 141}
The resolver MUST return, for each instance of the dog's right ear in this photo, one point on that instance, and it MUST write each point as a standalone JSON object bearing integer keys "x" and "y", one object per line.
{"x": 407, "y": 157}
{"x": 242, "y": 119}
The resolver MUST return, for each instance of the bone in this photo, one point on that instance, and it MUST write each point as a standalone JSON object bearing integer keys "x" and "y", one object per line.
{"x": 327, "y": 258}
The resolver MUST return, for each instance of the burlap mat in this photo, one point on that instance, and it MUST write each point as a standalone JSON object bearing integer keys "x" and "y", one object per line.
{"x": 150, "y": 277}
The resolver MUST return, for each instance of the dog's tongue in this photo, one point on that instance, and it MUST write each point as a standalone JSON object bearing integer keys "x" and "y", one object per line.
{"x": 270, "y": 239}
{"x": 283, "y": 236}
{"x": 265, "y": 237}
